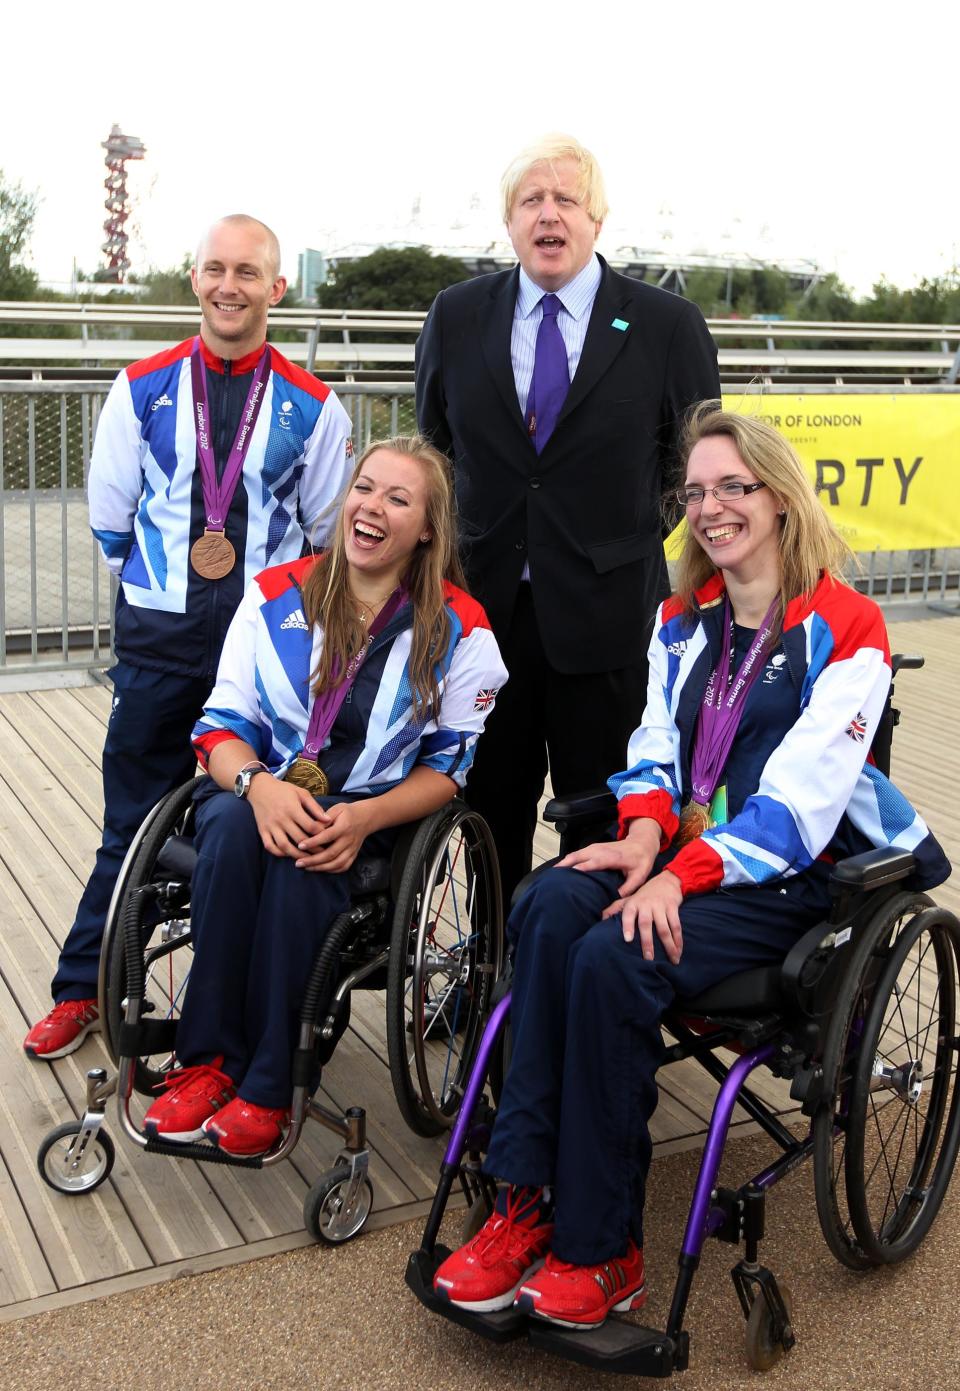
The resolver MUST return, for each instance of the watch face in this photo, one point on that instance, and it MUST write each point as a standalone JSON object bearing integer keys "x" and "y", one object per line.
{"x": 241, "y": 784}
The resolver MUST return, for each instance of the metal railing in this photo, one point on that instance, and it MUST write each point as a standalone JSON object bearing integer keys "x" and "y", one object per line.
{"x": 346, "y": 341}
{"x": 56, "y": 595}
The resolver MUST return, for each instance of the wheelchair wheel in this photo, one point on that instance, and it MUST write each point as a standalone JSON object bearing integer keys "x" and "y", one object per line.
{"x": 445, "y": 955}
{"x": 72, "y": 1164}
{"x": 164, "y": 930}
{"x": 763, "y": 1349}
{"x": 329, "y": 1213}
{"x": 903, "y": 1127}
{"x": 831, "y": 1122}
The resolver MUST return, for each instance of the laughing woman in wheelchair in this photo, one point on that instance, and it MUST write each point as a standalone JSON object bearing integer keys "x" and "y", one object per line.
{"x": 748, "y": 776}
{"x": 346, "y": 704}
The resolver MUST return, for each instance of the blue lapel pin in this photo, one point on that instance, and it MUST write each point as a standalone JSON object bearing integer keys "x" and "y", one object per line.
{"x": 621, "y": 324}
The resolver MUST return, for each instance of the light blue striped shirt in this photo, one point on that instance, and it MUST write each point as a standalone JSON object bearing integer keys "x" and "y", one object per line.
{"x": 576, "y": 297}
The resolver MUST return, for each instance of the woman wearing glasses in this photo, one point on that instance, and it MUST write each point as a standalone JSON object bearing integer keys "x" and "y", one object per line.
{"x": 747, "y": 777}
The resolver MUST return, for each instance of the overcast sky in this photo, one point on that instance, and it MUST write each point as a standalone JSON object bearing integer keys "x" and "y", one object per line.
{"x": 824, "y": 131}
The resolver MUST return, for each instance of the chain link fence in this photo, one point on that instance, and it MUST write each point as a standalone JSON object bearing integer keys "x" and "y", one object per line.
{"x": 56, "y": 600}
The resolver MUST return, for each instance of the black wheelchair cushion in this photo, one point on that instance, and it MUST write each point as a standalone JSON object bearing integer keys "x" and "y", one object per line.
{"x": 747, "y": 992}
{"x": 177, "y": 857}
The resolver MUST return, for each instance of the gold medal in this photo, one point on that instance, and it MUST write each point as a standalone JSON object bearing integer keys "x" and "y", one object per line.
{"x": 694, "y": 820}
{"x": 305, "y": 773}
{"x": 212, "y": 555}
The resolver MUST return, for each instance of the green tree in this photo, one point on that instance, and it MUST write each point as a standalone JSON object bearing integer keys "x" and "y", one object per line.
{"x": 828, "y": 299}
{"x": 18, "y": 208}
{"x": 409, "y": 278}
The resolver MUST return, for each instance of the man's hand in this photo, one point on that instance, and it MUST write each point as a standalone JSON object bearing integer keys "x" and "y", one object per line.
{"x": 633, "y": 857}
{"x": 335, "y": 847}
{"x": 655, "y": 907}
{"x": 284, "y": 813}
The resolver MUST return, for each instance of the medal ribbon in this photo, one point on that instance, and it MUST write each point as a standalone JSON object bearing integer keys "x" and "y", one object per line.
{"x": 218, "y": 495}
{"x": 326, "y": 706}
{"x": 722, "y": 710}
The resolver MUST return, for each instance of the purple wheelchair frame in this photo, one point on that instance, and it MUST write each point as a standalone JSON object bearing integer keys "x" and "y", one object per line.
{"x": 619, "y": 1346}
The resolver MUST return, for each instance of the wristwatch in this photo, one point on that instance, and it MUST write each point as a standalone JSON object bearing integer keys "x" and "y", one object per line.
{"x": 245, "y": 776}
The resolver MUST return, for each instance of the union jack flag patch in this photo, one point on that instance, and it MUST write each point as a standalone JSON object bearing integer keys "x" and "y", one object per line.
{"x": 485, "y": 698}
{"x": 857, "y": 729}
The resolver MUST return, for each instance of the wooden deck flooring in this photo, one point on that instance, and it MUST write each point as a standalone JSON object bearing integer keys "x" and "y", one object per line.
{"x": 156, "y": 1218}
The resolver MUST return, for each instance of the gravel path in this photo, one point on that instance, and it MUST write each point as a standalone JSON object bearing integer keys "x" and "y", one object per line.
{"x": 323, "y": 1318}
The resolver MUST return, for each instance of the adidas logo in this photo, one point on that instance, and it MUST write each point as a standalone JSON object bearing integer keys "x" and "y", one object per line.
{"x": 295, "y": 620}
{"x": 163, "y": 400}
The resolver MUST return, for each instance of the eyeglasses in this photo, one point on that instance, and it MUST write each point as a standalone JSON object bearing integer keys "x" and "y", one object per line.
{"x": 723, "y": 492}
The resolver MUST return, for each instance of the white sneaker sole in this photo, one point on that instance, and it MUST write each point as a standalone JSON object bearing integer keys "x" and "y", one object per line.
{"x": 92, "y": 1028}
{"x": 500, "y": 1301}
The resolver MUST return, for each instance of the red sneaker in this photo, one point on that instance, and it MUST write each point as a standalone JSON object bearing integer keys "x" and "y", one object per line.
{"x": 245, "y": 1129}
{"x": 62, "y": 1030}
{"x": 487, "y": 1272}
{"x": 192, "y": 1096}
{"x": 581, "y": 1296}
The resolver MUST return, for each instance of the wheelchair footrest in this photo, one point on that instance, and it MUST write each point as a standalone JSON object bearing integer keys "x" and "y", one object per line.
{"x": 207, "y": 1154}
{"x": 500, "y": 1327}
{"x": 617, "y": 1346}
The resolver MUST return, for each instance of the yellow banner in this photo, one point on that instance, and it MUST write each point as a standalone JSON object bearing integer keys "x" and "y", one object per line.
{"x": 887, "y": 467}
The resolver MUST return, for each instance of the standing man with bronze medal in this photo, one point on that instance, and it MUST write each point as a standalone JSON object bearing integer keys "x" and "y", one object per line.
{"x": 212, "y": 460}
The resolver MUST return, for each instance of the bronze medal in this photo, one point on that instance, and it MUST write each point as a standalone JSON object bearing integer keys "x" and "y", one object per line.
{"x": 305, "y": 773}
{"x": 212, "y": 555}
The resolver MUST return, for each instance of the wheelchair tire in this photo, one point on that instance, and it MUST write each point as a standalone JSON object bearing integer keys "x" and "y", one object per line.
{"x": 903, "y": 1127}
{"x": 868, "y": 954}
{"x": 446, "y": 951}
{"x": 163, "y": 988}
{"x": 326, "y": 1215}
{"x": 63, "y": 1168}
{"x": 762, "y": 1348}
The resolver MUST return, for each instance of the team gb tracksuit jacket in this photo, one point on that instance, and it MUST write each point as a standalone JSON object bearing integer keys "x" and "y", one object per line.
{"x": 146, "y": 498}
{"x": 797, "y": 792}
{"x": 262, "y": 692}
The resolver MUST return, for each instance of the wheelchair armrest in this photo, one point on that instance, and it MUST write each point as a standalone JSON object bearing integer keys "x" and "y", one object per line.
{"x": 872, "y": 870}
{"x": 585, "y": 806}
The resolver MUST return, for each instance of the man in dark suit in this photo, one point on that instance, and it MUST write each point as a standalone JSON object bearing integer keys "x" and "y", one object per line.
{"x": 558, "y": 389}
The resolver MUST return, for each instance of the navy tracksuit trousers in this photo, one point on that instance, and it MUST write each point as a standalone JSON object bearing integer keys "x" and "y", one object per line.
{"x": 146, "y": 754}
{"x": 258, "y": 922}
{"x": 586, "y": 1013}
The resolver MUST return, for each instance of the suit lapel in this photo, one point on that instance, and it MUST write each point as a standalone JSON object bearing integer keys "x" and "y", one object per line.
{"x": 495, "y": 325}
{"x": 603, "y": 341}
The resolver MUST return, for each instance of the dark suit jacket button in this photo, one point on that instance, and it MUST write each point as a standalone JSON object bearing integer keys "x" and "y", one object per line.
{"x": 534, "y": 482}
{"x": 520, "y": 546}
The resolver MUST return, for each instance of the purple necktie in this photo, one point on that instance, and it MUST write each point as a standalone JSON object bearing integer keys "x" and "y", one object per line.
{"x": 551, "y": 376}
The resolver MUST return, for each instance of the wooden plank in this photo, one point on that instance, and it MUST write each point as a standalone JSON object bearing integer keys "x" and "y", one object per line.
{"x": 84, "y": 729}
{"x": 24, "y": 1273}
{"x": 57, "y": 753}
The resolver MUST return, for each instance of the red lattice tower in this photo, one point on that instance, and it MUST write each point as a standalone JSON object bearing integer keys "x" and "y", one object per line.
{"x": 119, "y": 148}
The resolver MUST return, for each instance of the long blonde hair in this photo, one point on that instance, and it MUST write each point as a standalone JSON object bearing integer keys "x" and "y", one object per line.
{"x": 326, "y": 591}
{"x": 810, "y": 544}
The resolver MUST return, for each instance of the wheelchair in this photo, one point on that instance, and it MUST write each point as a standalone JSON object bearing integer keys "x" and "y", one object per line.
{"x": 860, "y": 1018}
{"x": 425, "y": 925}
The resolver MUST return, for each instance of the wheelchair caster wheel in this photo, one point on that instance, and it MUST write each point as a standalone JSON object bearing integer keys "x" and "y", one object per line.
{"x": 72, "y": 1160}
{"x": 762, "y": 1346}
{"x": 331, "y": 1213}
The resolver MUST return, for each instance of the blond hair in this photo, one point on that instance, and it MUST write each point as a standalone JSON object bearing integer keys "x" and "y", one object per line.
{"x": 546, "y": 150}
{"x": 810, "y": 544}
{"x": 326, "y": 591}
